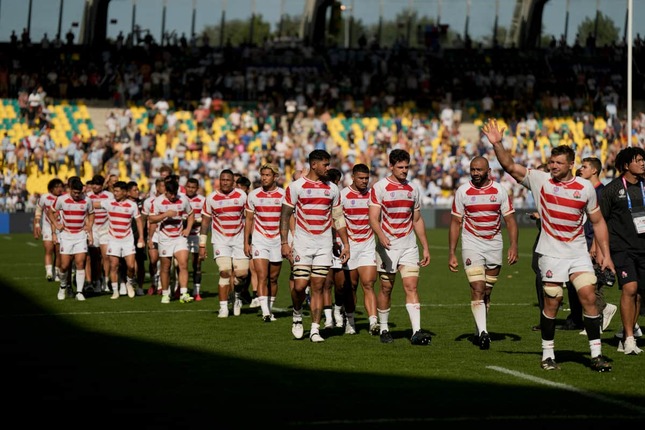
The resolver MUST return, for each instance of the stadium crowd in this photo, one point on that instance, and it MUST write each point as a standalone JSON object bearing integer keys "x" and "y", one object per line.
{"x": 281, "y": 101}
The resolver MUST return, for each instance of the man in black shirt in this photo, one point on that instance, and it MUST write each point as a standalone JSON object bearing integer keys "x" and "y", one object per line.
{"x": 623, "y": 206}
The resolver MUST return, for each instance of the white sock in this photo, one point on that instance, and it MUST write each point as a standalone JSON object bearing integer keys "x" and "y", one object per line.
{"x": 414, "y": 311}
{"x": 479, "y": 313}
{"x": 80, "y": 280}
{"x": 548, "y": 349}
{"x": 383, "y": 316}
{"x": 264, "y": 305}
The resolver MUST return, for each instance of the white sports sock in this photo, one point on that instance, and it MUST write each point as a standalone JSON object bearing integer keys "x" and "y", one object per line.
{"x": 383, "y": 316}
{"x": 548, "y": 349}
{"x": 414, "y": 311}
{"x": 479, "y": 313}
{"x": 80, "y": 280}
{"x": 264, "y": 305}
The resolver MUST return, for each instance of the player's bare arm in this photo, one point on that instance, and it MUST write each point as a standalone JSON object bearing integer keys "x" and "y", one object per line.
{"x": 494, "y": 134}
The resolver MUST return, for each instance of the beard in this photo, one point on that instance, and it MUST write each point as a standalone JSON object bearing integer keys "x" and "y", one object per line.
{"x": 481, "y": 180}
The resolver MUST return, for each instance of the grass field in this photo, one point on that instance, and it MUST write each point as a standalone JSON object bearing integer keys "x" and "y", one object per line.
{"x": 104, "y": 363}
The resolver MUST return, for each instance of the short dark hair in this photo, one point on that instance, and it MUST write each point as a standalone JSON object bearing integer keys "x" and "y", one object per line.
{"x": 360, "y": 168}
{"x": 172, "y": 186}
{"x": 334, "y": 175}
{"x": 227, "y": 172}
{"x": 626, "y": 156}
{"x": 318, "y": 155}
{"x": 398, "y": 155}
{"x": 97, "y": 180}
{"x": 594, "y": 162}
{"x": 192, "y": 181}
{"x": 75, "y": 183}
{"x": 122, "y": 185}
{"x": 564, "y": 150}
{"x": 243, "y": 181}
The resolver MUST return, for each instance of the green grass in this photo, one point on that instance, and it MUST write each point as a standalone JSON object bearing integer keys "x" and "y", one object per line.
{"x": 126, "y": 362}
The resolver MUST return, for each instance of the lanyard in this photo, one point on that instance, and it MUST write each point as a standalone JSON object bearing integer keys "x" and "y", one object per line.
{"x": 629, "y": 200}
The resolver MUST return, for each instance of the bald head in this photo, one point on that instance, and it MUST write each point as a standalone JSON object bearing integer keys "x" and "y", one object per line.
{"x": 479, "y": 170}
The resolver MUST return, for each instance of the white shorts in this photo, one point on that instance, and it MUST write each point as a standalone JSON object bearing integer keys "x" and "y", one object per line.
{"x": 229, "y": 247}
{"x": 361, "y": 254}
{"x": 169, "y": 247}
{"x": 193, "y": 244}
{"x": 557, "y": 270}
{"x": 389, "y": 260}
{"x": 100, "y": 235}
{"x": 72, "y": 244}
{"x": 318, "y": 256}
{"x": 477, "y": 258}
{"x": 121, "y": 247}
{"x": 46, "y": 232}
{"x": 272, "y": 254}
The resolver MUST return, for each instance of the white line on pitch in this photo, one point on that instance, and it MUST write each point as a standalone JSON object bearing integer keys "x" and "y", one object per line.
{"x": 32, "y": 244}
{"x": 567, "y": 387}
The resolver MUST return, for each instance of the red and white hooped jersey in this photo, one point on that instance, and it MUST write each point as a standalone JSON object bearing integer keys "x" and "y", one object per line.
{"x": 197, "y": 202}
{"x": 226, "y": 211}
{"x": 356, "y": 207}
{"x": 562, "y": 207}
{"x": 171, "y": 227}
{"x": 482, "y": 210}
{"x": 120, "y": 216}
{"x": 398, "y": 201}
{"x": 266, "y": 205}
{"x": 73, "y": 213}
{"x": 313, "y": 202}
{"x": 45, "y": 202}
{"x": 100, "y": 214}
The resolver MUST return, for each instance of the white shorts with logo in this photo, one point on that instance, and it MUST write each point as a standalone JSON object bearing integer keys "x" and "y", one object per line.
{"x": 557, "y": 270}
{"x": 73, "y": 243}
{"x": 225, "y": 246}
{"x": 121, "y": 247}
{"x": 168, "y": 247}
{"x": 476, "y": 258}
{"x": 312, "y": 256}
{"x": 389, "y": 260}
{"x": 361, "y": 254}
{"x": 266, "y": 249}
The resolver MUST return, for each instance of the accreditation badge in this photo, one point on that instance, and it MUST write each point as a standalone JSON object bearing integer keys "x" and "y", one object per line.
{"x": 639, "y": 221}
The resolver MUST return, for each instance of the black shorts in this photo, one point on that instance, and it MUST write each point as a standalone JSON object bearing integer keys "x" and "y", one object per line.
{"x": 630, "y": 267}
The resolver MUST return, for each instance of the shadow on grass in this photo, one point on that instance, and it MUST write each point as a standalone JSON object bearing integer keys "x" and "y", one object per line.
{"x": 57, "y": 373}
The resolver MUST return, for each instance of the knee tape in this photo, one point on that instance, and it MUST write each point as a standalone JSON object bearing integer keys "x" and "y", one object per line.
{"x": 319, "y": 271}
{"x": 584, "y": 279}
{"x": 241, "y": 266}
{"x": 491, "y": 281}
{"x": 409, "y": 271}
{"x": 476, "y": 274}
{"x": 301, "y": 272}
{"x": 387, "y": 277}
{"x": 224, "y": 264}
{"x": 553, "y": 291}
